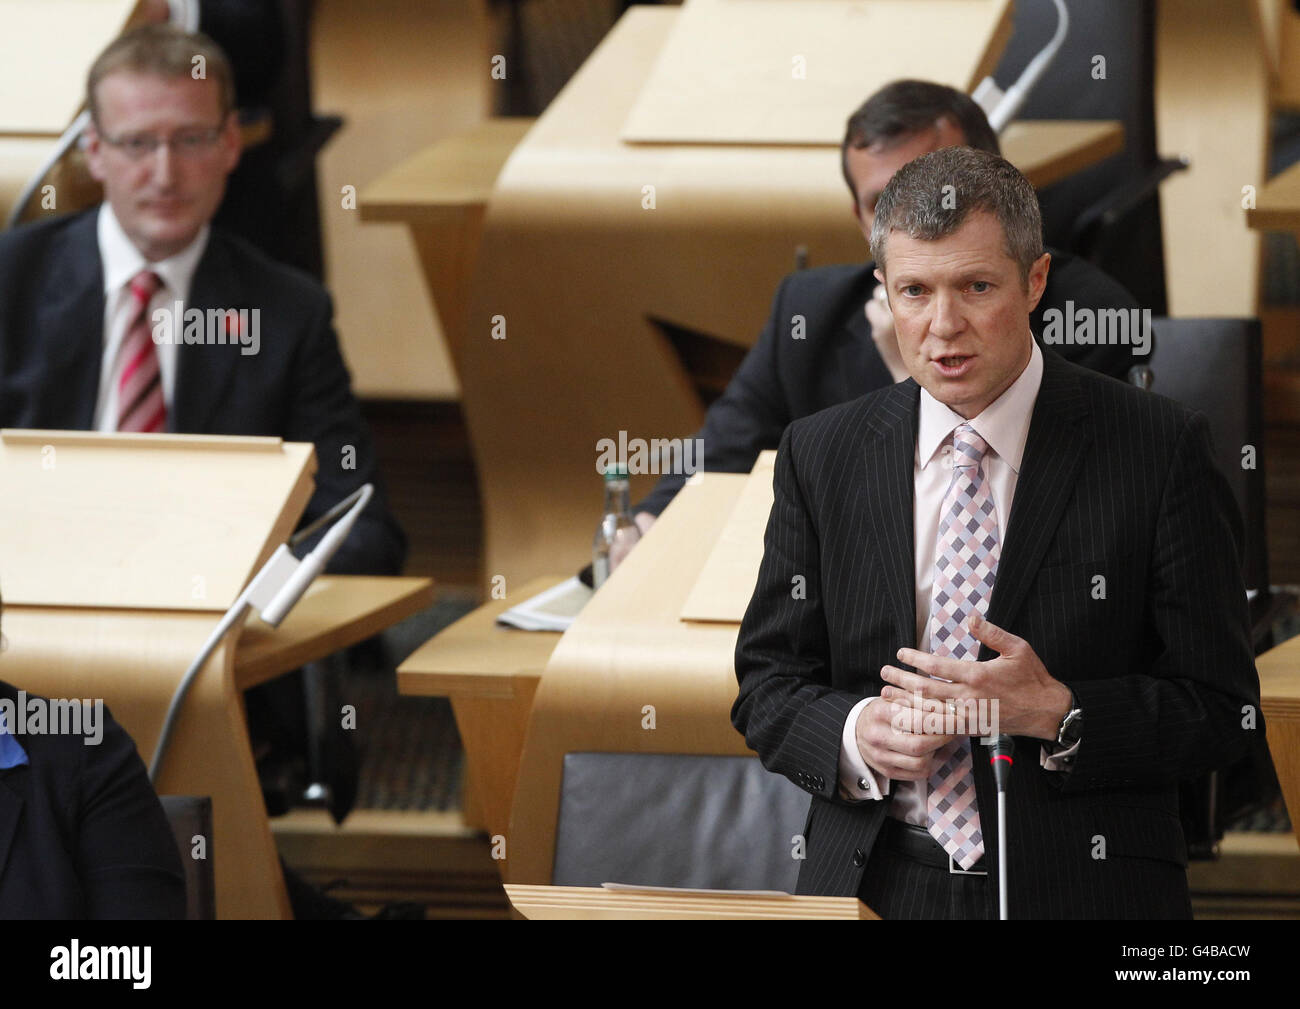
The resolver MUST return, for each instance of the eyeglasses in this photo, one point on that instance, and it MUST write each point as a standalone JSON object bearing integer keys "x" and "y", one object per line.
{"x": 188, "y": 143}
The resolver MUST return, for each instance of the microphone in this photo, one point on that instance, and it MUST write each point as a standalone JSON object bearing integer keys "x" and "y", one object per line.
{"x": 274, "y": 591}
{"x": 1001, "y": 751}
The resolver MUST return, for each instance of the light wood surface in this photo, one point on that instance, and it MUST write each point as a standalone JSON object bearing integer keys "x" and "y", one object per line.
{"x": 1279, "y": 683}
{"x": 490, "y": 673}
{"x": 46, "y": 48}
{"x": 184, "y": 529}
{"x": 458, "y": 172}
{"x": 1280, "y": 25}
{"x": 101, "y": 537}
{"x": 1219, "y": 122}
{"x": 567, "y": 215}
{"x": 1049, "y": 150}
{"x": 788, "y": 71}
{"x": 112, "y": 525}
{"x": 338, "y": 611}
{"x": 133, "y": 660}
{"x": 627, "y": 650}
{"x": 566, "y": 903}
{"x": 723, "y": 590}
{"x": 442, "y": 193}
{"x": 478, "y": 657}
{"x": 1277, "y": 204}
{"x": 402, "y": 75}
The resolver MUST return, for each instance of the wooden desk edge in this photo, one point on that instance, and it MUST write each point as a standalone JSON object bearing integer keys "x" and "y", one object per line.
{"x": 480, "y": 686}
{"x": 273, "y": 663}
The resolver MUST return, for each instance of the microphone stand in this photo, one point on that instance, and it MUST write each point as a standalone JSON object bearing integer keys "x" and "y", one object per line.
{"x": 1002, "y": 748}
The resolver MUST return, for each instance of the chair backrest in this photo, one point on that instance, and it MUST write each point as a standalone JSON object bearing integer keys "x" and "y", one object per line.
{"x": 190, "y": 816}
{"x": 1213, "y": 365}
{"x": 687, "y": 820}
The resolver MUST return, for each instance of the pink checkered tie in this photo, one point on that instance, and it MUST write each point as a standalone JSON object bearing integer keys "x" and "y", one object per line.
{"x": 965, "y": 568}
{"x": 140, "y": 405}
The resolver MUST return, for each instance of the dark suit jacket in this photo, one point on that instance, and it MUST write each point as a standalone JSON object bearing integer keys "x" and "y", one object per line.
{"x": 782, "y": 378}
{"x": 82, "y": 834}
{"x": 296, "y": 386}
{"x": 1115, "y": 482}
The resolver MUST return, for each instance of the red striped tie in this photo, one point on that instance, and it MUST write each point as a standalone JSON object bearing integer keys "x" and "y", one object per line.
{"x": 140, "y": 405}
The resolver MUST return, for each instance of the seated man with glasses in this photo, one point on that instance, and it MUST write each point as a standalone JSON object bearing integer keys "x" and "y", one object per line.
{"x": 138, "y": 316}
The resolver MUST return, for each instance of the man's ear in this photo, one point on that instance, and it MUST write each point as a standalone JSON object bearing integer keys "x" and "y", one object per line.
{"x": 94, "y": 147}
{"x": 1038, "y": 279}
{"x": 232, "y": 144}
{"x": 879, "y": 275}
{"x": 863, "y": 226}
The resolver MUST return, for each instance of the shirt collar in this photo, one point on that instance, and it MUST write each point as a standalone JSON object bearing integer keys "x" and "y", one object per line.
{"x": 1003, "y": 424}
{"x": 12, "y": 753}
{"x": 122, "y": 260}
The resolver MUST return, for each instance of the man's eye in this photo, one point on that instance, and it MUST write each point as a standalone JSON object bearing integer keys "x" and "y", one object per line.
{"x": 913, "y": 290}
{"x": 980, "y": 286}
{"x": 139, "y": 145}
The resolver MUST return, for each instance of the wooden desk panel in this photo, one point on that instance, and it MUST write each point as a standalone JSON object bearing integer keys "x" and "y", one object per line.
{"x": 490, "y": 673}
{"x": 338, "y": 611}
{"x": 1279, "y": 684}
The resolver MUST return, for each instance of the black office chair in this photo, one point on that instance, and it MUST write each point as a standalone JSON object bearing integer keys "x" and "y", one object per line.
{"x": 1213, "y": 365}
{"x": 687, "y": 820}
{"x": 190, "y": 817}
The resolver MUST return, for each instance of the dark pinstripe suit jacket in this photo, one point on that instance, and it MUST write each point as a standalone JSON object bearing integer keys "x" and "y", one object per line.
{"x": 1115, "y": 482}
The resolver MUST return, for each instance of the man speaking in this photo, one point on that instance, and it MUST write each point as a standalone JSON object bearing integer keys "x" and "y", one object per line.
{"x": 1008, "y": 528}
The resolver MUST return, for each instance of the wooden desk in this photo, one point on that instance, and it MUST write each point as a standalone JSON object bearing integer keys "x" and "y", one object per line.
{"x": 629, "y": 648}
{"x": 573, "y": 267}
{"x": 1049, "y": 150}
{"x": 134, "y": 659}
{"x": 338, "y": 611}
{"x": 568, "y": 903}
{"x": 1279, "y": 684}
{"x": 1277, "y": 204}
{"x": 490, "y": 673}
{"x": 1221, "y": 127}
{"x": 442, "y": 193}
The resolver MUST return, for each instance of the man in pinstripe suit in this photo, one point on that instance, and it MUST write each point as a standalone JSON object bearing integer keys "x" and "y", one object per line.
{"x": 1067, "y": 530}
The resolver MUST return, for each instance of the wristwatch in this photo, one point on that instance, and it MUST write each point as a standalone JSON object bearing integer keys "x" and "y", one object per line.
{"x": 1071, "y": 725}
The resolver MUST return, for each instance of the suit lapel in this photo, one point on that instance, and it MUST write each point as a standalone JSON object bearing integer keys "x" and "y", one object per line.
{"x": 891, "y": 488}
{"x": 1058, "y": 439}
{"x": 204, "y": 372}
{"x": 70, "y": 323}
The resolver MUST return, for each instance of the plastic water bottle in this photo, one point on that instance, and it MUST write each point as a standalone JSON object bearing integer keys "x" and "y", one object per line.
{"x": 617, "y": 533}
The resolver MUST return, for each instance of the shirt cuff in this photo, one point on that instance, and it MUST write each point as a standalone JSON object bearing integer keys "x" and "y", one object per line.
{"x": 858, "y": 782}
{"x": 1062, "y": 760}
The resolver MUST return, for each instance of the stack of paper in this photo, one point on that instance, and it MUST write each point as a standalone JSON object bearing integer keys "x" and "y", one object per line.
{"x": 552, "y": 610}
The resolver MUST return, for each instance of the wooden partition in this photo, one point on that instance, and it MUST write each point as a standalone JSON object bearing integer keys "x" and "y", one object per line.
{"x": 590, "y": 241}
{"x": 629, "y": 661}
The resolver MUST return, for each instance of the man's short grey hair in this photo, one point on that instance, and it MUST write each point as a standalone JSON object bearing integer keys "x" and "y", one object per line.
{"x": 932, "y": 196}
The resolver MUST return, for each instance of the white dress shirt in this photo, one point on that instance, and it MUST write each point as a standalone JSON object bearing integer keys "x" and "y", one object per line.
{"x": 121, "y": 261}
{"x": 1004, "y": 425}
